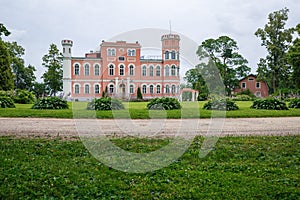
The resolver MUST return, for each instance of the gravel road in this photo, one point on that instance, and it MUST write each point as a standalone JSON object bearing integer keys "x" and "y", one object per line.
{"x": 73, "y": 128}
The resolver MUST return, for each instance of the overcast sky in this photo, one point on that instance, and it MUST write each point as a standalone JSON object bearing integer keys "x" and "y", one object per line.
{"x": 35, "y": 24}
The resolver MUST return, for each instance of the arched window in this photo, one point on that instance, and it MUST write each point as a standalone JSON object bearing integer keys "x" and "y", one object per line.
{"x": 86, "y": 69}
{"x": 111, "y": 89}
{"x": 131, "y": 89}
{"x": 167, "y": 71}
{"x": 166, "y": 55}
{"x": 121, "y": 72}
{"x": 76, "y": 69}
{"x": 177, "y": 71}
{"x": 144, "y": 71}
{"x": 173, "y": 70}
{"x": 173, "y": 55}
{"x": 97, "y": 70}
{"x": 144, "y": 89}
{"x": 97, "y": 89}
{"x": 76, "y": 89}
{"x": 151, "y": 89}
{"x": 151, "y": 70}
{"x": 157, "y": 70}
{"x": 86, "y": 89}
{"x": 158, "y": 89}
{"x": 111, "y": 70}
{"x": 173, "y": 89}
{"x": 167, "y": 89}
{"x": 131, "y": 70}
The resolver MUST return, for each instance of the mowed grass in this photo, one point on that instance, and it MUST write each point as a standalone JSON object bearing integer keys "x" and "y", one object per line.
{"x": 138, "y": 110}
{"x": 238, "y": 168}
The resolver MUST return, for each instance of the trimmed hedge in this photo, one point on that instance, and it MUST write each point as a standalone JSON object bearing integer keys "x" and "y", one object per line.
{"x": 6, "y": 102}
{"x": 294, "y": 103}
{"x": 24, "y": 97}
{"x": 269, "y": 104}
{"x": 50, "y": 103}
{"x": 164, "y": 103}
{"x": 220, "y": 104}
{"x": 105, "y": 103}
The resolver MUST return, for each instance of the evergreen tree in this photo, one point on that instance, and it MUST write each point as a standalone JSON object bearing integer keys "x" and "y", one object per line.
{"x": 139, "y": 94}
{"x": 54, "y": 73}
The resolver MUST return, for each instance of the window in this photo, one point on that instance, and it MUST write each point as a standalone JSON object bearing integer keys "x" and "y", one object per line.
{"x": 86, "y": 69}
{"x": 167, "y": 71}
{"x": 177, "y": 71}
{"x": 131, "y": 89}
{"x": 121, "y": 58}
{"x": 173, "y": 89}
{"x": 250, "y": 79}
{"x": 111, "y": 70}
{"x": 144, "y": 71}
{"x": 64, "y": 50}
{"x": 257, "y": 84}
{"x": 121, "y": 70}
{"x": 131, "y": 52}
{"x": 131, "y": 70}
{"x": 158, "y": 89}
{"x": 111, "y": 52}
{"x": 86, "y": 89}
{"x": 76, "y": 89}
{"x": 151, "y": 89}
{"x": 97, "y": 70}
{"x": 111, "y": 89}
{"x": 173, "y": 55}
{"x": 76, "y": 70}
{"x": 258, "y": 94}
{"x": 151, "y": 71}
{"x": 173, "y": 70}
{"x": 243, "y": 85}
{"x": 69, "y": 50}
{"x": 157, "y": 70}
{"x": 167, "y": 89}
{"x": 144, "y": 89}
{"x": 97, "y": 89}
{"x": 166, "y": 55}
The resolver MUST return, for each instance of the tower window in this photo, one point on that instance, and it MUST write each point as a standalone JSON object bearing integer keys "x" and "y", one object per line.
{"x": 131, "y": 70}
{"x": 173, "y": 70}
{"x": 167, "y": 71}
{"x": 111, "y": 70}
{"x": 157, "y": 70}
{"x": 121, "y": 72}
{"x": 166, "y": 55}
{"x": 173, "y": 55}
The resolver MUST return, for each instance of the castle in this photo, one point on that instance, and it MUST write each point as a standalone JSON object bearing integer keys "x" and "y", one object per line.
{"x": 119, "y": 69}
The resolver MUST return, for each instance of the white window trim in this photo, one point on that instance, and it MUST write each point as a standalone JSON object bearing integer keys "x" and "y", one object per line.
{"x": 76, "y": 63}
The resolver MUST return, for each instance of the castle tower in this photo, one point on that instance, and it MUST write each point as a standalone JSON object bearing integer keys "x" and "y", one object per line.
{"x": 67, "y": 54}
{"x": 170, "y": 47}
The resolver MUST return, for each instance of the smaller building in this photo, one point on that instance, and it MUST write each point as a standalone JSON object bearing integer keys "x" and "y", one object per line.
{"x": 258, "y": 88}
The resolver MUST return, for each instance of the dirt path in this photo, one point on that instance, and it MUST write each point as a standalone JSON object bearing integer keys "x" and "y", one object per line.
{"x": 72, "y": 128}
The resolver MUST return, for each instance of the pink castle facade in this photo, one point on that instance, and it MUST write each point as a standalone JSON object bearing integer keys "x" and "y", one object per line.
{"x": 119, "y": 67}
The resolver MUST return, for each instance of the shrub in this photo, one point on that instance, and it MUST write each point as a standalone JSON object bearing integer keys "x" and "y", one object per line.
{"x": 294, "y": 103}
{"x": 139, "y": 93}
{"x": 243, "y": 97}
{"x": 165, "y": 103}
{"x": 6, "y": 102}
{"x": 269, "y": 104}
{"x": 50, "y": 103}
{"x": 23, "y": 97}
{"x": 220, "y": 104}
{"x": 105, "y": 103}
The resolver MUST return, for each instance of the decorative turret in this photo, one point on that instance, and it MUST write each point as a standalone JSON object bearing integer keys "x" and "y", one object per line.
{"x": 67, "y": 48}
{"x": 170, "y": 46}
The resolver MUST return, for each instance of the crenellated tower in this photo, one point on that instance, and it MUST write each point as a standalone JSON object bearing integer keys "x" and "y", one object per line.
{"x": 67, "y": 56}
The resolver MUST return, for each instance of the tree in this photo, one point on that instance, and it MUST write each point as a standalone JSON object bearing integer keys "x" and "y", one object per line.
{"x": 6, "y": 76}
{"x": 23, "y": 76}
{"x": 54, "y": 74}
{"x": 39, "y": 90}
{"x": 139, "y": 94}
{"x": 223, "y": 53}
{"x": 273, "y": 69}
{"x": 293, "y": 56}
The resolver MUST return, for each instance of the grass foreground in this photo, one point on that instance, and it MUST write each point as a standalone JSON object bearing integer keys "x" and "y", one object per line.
{"x": 137, "y": 110}
{"x": 238, "y": 168}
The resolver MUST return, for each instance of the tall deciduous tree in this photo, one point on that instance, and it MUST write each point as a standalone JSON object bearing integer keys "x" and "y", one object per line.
{"x": 276, "y": 38}
{"x": 23, "y": 76}
{"x": 6, "y": 76}
{"x": 223, "y": 53}
{"x": 54, "y": 73}
{"x": 294, "y": 60}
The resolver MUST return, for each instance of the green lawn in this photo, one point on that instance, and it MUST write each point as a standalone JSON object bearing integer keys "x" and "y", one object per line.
{"x": 238, "y": 168}
{"x": 137, "y": 110}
